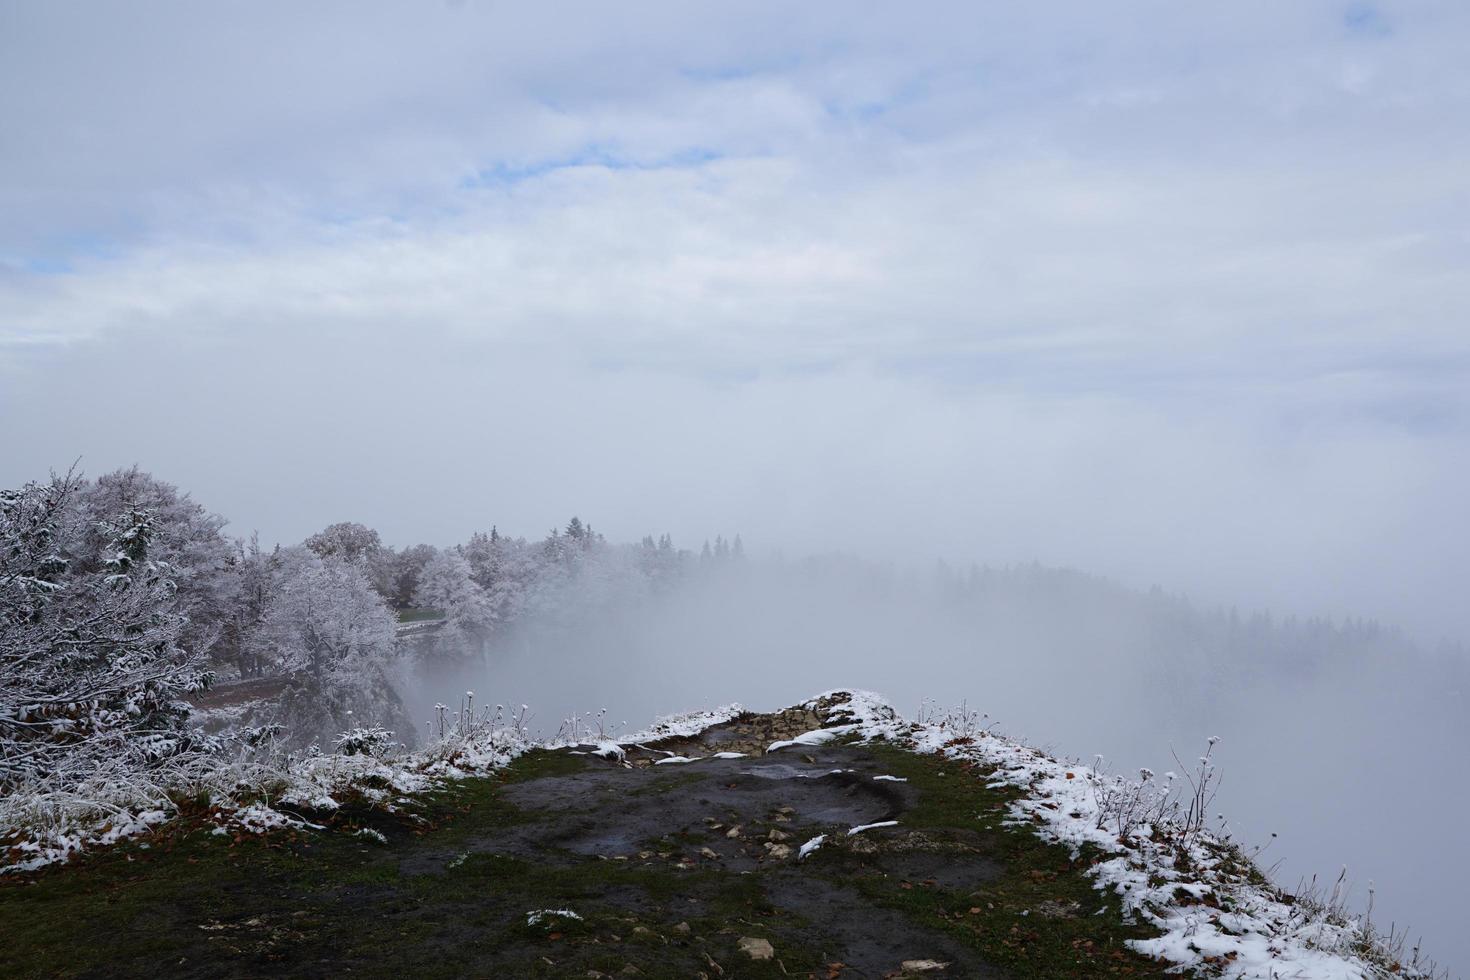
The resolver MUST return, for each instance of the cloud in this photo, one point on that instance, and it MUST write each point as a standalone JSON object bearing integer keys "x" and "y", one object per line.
{"x": 1108, "y": 282}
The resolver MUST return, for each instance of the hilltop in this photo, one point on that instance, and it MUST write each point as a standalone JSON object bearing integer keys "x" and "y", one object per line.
{"x": 831, "y": 839}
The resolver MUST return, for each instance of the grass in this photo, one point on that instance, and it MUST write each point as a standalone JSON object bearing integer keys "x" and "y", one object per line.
{"x": 419, "y": 615}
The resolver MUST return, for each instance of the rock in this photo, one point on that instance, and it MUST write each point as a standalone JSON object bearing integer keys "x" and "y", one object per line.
{"x": 778, "y": 851}
{"x": 733, "y": 833}
{"x": 1058, "y": 910}
{"x": 777, "y": 835}
{"x": 757, "y": 949}
{"x": 682, "y": 928}
{"x": 708, "y": 854}
{"x": 923, "y": 966}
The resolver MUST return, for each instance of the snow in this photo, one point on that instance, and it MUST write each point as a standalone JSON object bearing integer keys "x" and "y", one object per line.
{"x": 889, "y": 779}
{"x": 818, "y": 736}
{"x": 537, "y": 916}
{"x": 610, "y": 750}
{"x": 686, "y": 724}
{"x": 673, "y": 759}
{"x": 810, "y": 846}
{"x": 871, "y": 826}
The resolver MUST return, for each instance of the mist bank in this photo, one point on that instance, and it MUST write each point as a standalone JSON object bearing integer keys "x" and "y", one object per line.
{"x": 1336, "y": 737}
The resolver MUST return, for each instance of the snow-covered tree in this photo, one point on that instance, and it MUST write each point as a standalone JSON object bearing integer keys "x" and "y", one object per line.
{"x": 90, "y": 661}
{"x": 447, "y": 584}
{"x": 241, "y": 641}
{"x": 333, "y": 635}
{"x": 404, "y": 572}
{"x": 349, "y": 541}
{"x": 183, "y": 535}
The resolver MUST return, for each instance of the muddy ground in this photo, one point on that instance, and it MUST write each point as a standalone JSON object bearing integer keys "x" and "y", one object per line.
{"x": 667, "y": 870}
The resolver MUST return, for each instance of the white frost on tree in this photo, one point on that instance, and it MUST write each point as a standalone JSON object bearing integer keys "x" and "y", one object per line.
{"x": 331, "y": 633}
{"x": 91, "y": 668}
{"x": 447, "y": 584}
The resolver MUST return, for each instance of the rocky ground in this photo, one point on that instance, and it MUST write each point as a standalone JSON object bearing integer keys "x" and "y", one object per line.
{"x": 572, "y": 864}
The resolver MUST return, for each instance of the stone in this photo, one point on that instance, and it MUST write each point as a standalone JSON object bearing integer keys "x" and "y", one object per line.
{"x": 757, "y": 949}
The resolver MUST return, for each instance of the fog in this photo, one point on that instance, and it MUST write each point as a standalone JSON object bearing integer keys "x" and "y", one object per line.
{"x": 1345, "y": 744}
{"x": 1251, "y": 497}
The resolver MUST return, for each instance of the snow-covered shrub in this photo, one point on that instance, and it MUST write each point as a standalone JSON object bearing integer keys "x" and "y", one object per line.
{"x": 365, "y": 741}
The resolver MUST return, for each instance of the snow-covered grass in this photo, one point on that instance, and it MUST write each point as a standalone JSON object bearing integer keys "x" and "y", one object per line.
{"x": 1215, "y": 911}
{"x": 243, "y": 786}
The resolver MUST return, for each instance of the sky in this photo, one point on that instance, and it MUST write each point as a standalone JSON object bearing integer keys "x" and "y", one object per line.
{"x": 1176, "y": 294}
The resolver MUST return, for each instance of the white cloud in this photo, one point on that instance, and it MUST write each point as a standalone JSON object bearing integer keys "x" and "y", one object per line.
{"x": 1174, "y": 250}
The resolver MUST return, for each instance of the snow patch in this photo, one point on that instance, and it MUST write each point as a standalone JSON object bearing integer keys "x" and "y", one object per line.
{"x": 817, "y": 736}
{"x": 538, "y": 916}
